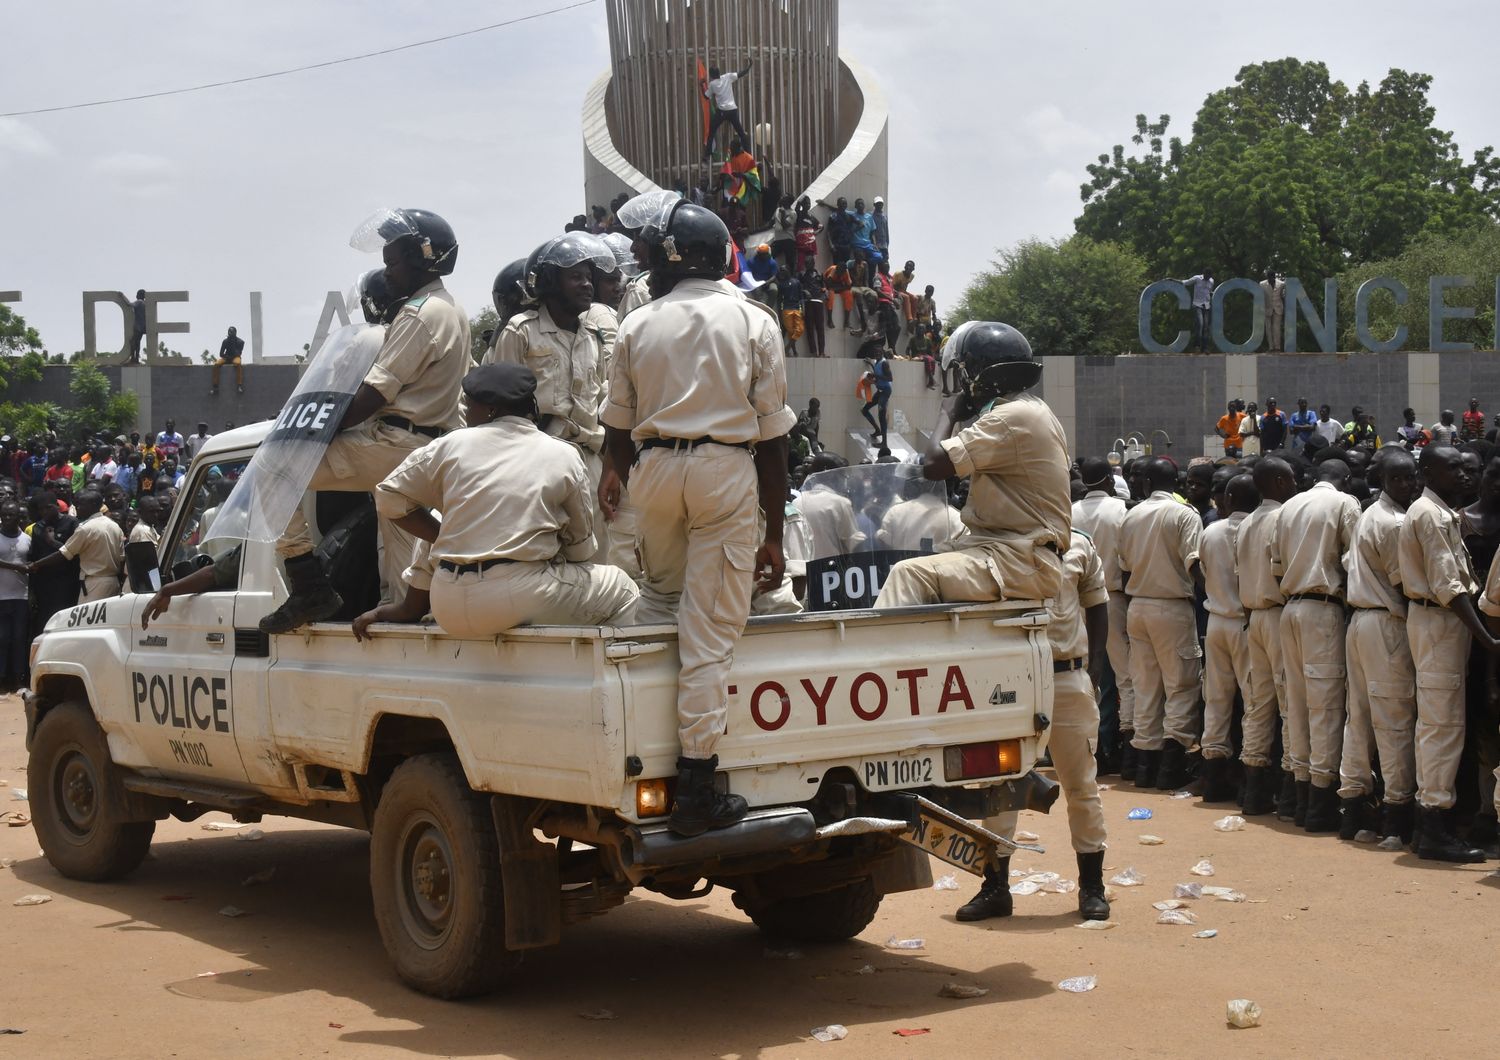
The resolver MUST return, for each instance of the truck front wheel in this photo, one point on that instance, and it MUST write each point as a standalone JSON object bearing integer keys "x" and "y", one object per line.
{"x": 77, "y": 801}
{"x": 435, "y": 880}
{"x": 829, "y": 916}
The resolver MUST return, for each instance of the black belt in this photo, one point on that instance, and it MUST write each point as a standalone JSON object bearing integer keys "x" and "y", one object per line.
{"x": 1361, "y": 607}
{"x": 1062, "y": 666}
{"x": 688, "y": 443}
{"x": 1269, "y": 607}
{"x": 1322, "y": 598}
{"x": 472, "y": 568}
{"x": 1422, "y": 603}
{"x": 402, "y": 423}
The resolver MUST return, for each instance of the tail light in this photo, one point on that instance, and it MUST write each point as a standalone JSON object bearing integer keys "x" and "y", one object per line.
{"x": 972, "y": 761}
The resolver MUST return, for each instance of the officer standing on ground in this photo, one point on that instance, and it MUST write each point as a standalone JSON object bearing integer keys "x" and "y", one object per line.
{"x": 1159, "y": 541}
{"x": 1099, "y": 514}
{"x": 99, "y": 546}
{"x": 699, "y": 384}
{"x": 1225, "y": 645}
{"x": 408, "y": 398}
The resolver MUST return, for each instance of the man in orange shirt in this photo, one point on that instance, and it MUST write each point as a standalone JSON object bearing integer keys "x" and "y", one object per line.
{"x": 1229, "y": 428}
{"x": 837, "y": 282}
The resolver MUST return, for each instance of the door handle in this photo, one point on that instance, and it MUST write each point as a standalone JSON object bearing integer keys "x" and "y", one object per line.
{"x": 215, "y": 638}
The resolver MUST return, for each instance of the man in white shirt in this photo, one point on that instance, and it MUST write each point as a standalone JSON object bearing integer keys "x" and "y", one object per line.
{"x": 1327, "y": 429}
{"x": 720, "y": 91}
{"x": 15, "y": 607}
{"x": 195, "y": 442}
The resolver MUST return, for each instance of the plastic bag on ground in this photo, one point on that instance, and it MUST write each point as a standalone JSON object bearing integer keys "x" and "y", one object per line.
{"x": 1177, "y": 916}
{"x": 1151, "y": 840}
{"x": 1079, "y": 984}
{"x": 1390, "y": 842}
{"x": 32, "y": 899}
{"x": 1140, "y": 813}
{"x": 1242, "y": 1012}
{"x": 1025, "y": 887}
{"x": 945, "y": 883}
{"x": 1188, "y": 890}
{"x": 1207, "y": 933}
{"x": 1182, "y": 794}
{"x": 1233, "y": 823}
{"x": 1170, "y": 903}
{"x": 1127, "y": 878}
{"x": 1060, "y": 887}
{"x": 250, "y": 835}
{"x": 962, "y": 991}
{"x": 1203, "y": 868}
{"x": 1096, "y": 925}
{"x": 834, "y": 1032}
{"x": 894, "y": 943}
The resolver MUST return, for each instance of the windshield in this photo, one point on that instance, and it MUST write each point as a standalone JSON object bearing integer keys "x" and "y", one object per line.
{"x": 861, "y": 520}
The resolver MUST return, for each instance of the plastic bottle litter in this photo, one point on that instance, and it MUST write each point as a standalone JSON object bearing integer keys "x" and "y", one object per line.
{"x": 1178, "y": 916}
{"x": 1151, "y": 840}
{"x": 962, "y": 991}
{"x": 1127, "y": 878}
{"x": 893, "y": 943}
{"x": 1096, "y": 925}
{"x": 1243, "y": 1012}
{"x": 1188, "y": 890}
{"x": 32, "y": 899}
{"x": 1233, "y": 823}
{"x": 834, "y": 1032}
{"x": 1203, "y": 868}
{"x": 232, "y": 911}
{"x": 1207, "y": 933}
{"x": 1079, "y": 984}
{"x": 1027, "y": 837}
{"x": 1140, "y": 813}
{"x": 1170, "y": 903}
{"x": 945, "y": 883}
{"x": 18, "y": 795}
{"x": 250, "y": 835}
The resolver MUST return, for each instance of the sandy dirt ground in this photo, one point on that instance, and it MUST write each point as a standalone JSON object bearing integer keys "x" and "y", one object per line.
{"x": 1349, "y": 951}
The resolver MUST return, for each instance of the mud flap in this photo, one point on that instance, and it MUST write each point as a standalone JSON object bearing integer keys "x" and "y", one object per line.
{"x": 529, "y": 878}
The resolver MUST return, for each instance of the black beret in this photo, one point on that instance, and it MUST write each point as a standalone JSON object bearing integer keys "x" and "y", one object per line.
{"x": 501, "y": 385}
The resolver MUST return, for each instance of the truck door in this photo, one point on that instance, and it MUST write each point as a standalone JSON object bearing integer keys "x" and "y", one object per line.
{"x": 181, "y": 687}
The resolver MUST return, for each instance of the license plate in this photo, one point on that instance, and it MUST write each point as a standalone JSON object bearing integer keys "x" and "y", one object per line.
{"x": 960, "y": 843}
{"x": 903, "y": 771}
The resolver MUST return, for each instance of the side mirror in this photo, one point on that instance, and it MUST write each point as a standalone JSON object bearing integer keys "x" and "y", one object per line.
{"x": 141, "y": 567}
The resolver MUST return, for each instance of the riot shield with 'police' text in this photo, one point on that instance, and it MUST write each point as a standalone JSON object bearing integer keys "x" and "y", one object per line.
{"x": 272, "y": 486}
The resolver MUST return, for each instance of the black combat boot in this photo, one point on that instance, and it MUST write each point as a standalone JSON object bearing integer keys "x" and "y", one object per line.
{"x": 993, "y": 898}
{"x": 1260, "y": 796}
{"x": 1092, "y": 905}
{"x": 1127, "y": 755}
{"x": 1485, "y": 834}
{"x": 1147, "y": 766}
{"x": 697, "y": 807}
{"x": 1399, "y": 819}
{"x": 1356, "y": 815}
{"x": 1173, "y": 772}
{"x": 1303, "y": 789}
{"x": 1218, "y": 783}
{"x": 312, "y": 598}
{"x": 1286, "y": 799}
{"x": 1436, "y": 843}
{"x": 1322, "y": 813}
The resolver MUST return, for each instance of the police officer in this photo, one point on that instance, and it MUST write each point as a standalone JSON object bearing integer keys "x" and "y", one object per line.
{"x": 1077, "y": 631}
{"x": 1159, "y": 541}
{"x": 699, "y": 385}
{"x": 408, "y": 398}
{"x": 645, "y": 210}
{"x": 1225, "y": 645}
{"x": 517, "y": 524}
{"x": 1438, "y": 580}
{"x": 510, "y": 297}
{"x": 1313, "y": 532}
{"x": 1099, "y": 514}
{"x": 1016, "y": 457}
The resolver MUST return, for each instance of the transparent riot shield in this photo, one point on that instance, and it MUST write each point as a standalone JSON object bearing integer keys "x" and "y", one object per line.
{"x": 861, "y": 521}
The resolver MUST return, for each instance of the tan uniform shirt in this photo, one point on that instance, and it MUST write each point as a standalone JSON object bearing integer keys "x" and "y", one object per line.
{"x": 1016, "y": 459}
{"x": 1434, "y": 563}
{"x": 1221, "y": 573}
{"x": 569, "y": 370}
{"x": 637, "y": 293}
{"x": 422, "y": 362}
{"x": 1374, "y": 558}
{"x": 927, "y": 522}
{"x": 1082, "y": 588}
{"x": 830, "y": 522}
{"x": 1252, "y": 552}
{"x": 697, "y": 363}
{"x": 1099, "y": 515}
{"x": 506, "y": 490}
{"x": 1158, "y": 547}
{"x": 1312, "y": 534}
{"x": 143, "y": 531}
{"x": 99, "y": 547}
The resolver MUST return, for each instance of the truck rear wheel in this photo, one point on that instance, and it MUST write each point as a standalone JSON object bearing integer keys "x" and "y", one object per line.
{"x": 829, "y": 916}
{"x": 435, "y": 880}
{"x": 77, "y": 801}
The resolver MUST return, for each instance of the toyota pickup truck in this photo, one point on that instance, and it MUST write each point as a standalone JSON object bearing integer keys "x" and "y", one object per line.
{"x": 517, "y": 784}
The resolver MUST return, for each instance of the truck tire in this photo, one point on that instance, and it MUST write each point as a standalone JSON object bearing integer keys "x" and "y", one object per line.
{"x": 435, "y": 880}
{"x": 830, "y": 916}
{"x": 77, "y": 800}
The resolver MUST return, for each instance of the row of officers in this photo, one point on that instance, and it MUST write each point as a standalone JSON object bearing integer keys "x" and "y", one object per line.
{"x": 1346, "y": 632}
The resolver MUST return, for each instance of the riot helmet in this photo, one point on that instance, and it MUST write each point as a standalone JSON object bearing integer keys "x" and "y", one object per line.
{"x": 690, "y": 241}
{"x": 564, "y": 252}
{"x": 509, "y": 292}
{"x": 985, "y": 359}
{"x": 621, "y": 245}
{"x": 426, "y": 240}
{"x": 646, "y": 208}
{"x": 375, "y": 299}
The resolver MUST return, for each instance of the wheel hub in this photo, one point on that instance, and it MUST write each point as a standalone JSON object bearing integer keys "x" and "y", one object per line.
{"x": 78, "y": 793}
{"x": 426, "y": 882}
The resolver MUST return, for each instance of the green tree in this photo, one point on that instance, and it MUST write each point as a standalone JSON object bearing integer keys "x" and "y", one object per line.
{"x": 20, "y": 349}
{"x": 28, "y": 419}
{"x": 487, "y": 320}
{"x": 1075, "y": 296}
{"x": 95, "y": 406}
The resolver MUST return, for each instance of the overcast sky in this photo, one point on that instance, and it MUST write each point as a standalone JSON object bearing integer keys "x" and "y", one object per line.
{"x": 995, "y": 110}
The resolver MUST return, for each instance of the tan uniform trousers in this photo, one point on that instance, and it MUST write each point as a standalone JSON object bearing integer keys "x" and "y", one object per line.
{"x": 696, "y": 515}
{"x": 99, "y": 587}
{"x": 1117, "y": 647}
{"x": 1382, "y": 708}
{"x": 1266, "y": 689}
{"x": 1312, "y": 657}
{"x": 619, "y": 534}
{"x": 1165, "y": 665}
{"x": 358, "y": 459}
{"x": 1440, "y": 654}
{"x": 994, "y": 570}
{"x": 484, "y": 603}
{"x": 1226, "y": 661}
{"x": 1075, "y": 737}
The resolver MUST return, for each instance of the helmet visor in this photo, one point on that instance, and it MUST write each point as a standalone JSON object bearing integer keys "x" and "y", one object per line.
{"x": 574, "y": 248}
{"x": 382, "y": 227}
{"x": 651, "y": 207}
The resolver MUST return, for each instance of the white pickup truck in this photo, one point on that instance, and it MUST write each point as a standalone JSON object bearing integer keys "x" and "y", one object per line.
{"x": 520, "y": 783}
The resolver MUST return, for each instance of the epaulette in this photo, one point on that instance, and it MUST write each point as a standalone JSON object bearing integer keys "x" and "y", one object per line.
{"x": 416, "y": 303}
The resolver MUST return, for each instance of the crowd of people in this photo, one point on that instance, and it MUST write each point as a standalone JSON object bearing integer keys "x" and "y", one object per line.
{"x": 1304, "y": 431}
